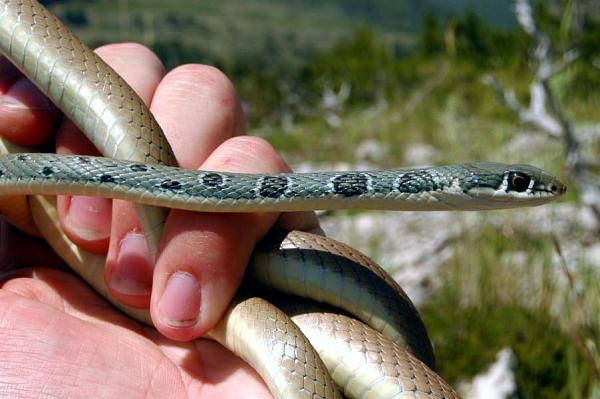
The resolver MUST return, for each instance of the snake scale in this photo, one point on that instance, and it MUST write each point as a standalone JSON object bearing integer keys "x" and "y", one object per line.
{"x": 387, "y": 356}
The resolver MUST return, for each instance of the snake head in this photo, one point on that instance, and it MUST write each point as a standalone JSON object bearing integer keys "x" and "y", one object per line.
{"x": 498, "y": 185}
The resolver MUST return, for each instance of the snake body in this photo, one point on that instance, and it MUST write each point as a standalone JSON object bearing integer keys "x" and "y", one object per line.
{"x": 477, "y": 186}
{"x": 365, "y": 361}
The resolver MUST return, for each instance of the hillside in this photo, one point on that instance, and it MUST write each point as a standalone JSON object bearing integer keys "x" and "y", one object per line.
{"x": 230, "y": 32}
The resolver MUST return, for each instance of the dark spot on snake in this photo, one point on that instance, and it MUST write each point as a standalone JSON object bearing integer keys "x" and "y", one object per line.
{"x": 173, "y": 185}
{"x": 350, "y": 184}
{"x": 416, "y": 181}
{"x": 83, "y": 160}
{"x": 272, "y": 186}
{"x": 1, "y": 173}
{"x": 407, "y": 183}
{"x": 106, "y": 178}
{"x": 48, "y": 171}
{"x": 23, "y": 157}
{"x": 212, "y": 179}
{"x": 138, "y": 167}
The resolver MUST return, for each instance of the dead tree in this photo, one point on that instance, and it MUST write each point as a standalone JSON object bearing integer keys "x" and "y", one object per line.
{"x": 545, "y": 111}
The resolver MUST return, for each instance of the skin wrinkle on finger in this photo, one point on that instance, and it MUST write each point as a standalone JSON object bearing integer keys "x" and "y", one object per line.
{"x": 197, "y": 107}
{"x": 39, "y": 284}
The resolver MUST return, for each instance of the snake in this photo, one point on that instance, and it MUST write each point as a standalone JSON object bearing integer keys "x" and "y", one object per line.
{"x": 355, "y": 334}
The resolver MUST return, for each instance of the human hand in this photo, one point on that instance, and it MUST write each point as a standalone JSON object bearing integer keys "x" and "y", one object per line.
{"x": 202, "y": 257}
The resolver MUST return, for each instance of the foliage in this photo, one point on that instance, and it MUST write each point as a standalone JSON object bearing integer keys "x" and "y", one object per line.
{"x": 488, "y": 302}
{"x": 467, "y": 340}
{"x": 431, "y": 39}
{"x": 362, "y": 62}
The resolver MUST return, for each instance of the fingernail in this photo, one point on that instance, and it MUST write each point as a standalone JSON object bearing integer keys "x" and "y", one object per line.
{"x": 134, "y": 269}
{"x": 180, "y": 303}
{"x": 23, "y": 94}
{"x": 11, "y": 102}
{"x": 89, "y": 217}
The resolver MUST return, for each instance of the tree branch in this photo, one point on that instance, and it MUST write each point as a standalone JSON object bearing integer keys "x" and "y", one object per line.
{"x": 554, "y": 123}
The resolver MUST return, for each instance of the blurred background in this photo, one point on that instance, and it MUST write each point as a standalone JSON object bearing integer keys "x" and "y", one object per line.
{"x": 511, "y": 299}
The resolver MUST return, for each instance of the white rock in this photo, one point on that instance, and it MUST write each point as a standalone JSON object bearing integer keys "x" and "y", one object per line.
{"x": 498, "y": 382}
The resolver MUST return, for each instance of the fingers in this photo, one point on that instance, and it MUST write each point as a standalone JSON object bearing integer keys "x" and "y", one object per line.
{"x": 194, "y": 127}
{"x": 197, "y": 107}
{"x": 204, "y": 256}
{"x": 27, "y": 117}
{"x": 85, "y": 220}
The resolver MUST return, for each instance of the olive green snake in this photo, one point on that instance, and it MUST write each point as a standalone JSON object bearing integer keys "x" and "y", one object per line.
{"x": 392, "y": 357}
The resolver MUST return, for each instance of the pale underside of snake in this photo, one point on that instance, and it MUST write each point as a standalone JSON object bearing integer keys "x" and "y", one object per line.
{"x": 391, "y": 357}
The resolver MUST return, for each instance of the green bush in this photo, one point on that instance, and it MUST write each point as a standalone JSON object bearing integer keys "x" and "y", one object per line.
{"x": 466, "y": 341}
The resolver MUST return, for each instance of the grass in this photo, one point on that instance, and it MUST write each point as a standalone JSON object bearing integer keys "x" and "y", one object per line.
{"x": 547, "y": 316}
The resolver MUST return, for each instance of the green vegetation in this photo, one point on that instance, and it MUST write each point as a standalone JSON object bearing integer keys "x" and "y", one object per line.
{"x": 488, "y": 302}
{"x": 411, "y": 86}
{"x": 270, "y": 47}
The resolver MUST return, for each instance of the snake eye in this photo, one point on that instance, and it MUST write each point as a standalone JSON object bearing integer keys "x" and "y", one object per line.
{"x": 518, "y": 182}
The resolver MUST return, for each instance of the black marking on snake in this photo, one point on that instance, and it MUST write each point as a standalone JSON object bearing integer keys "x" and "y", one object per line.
{"x": 106, "y": 178}
{"x": 138, "y": 167}
{"x": 416, "y": 181}
{"x": 172, "y": 185}
{"x": 472, "y": 181}
{"x": 212, "y": 179}
{"x": 350, "y": 184}
{"x": 23, "y": 157}
{"x": 83, "y": 160}
{"x": 48, "y": 171}
{"x": 272, "y": 186}
{"x": 1, "y": 173}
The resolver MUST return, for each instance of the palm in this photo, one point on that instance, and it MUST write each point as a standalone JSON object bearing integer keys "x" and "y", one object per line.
{"x": 77, "y": 345}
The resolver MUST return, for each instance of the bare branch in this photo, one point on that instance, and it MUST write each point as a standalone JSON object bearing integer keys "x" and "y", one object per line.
{"x": 525, "y": 16}
{"x": 535, "y": 114}
{"x": 554, "y": 121}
